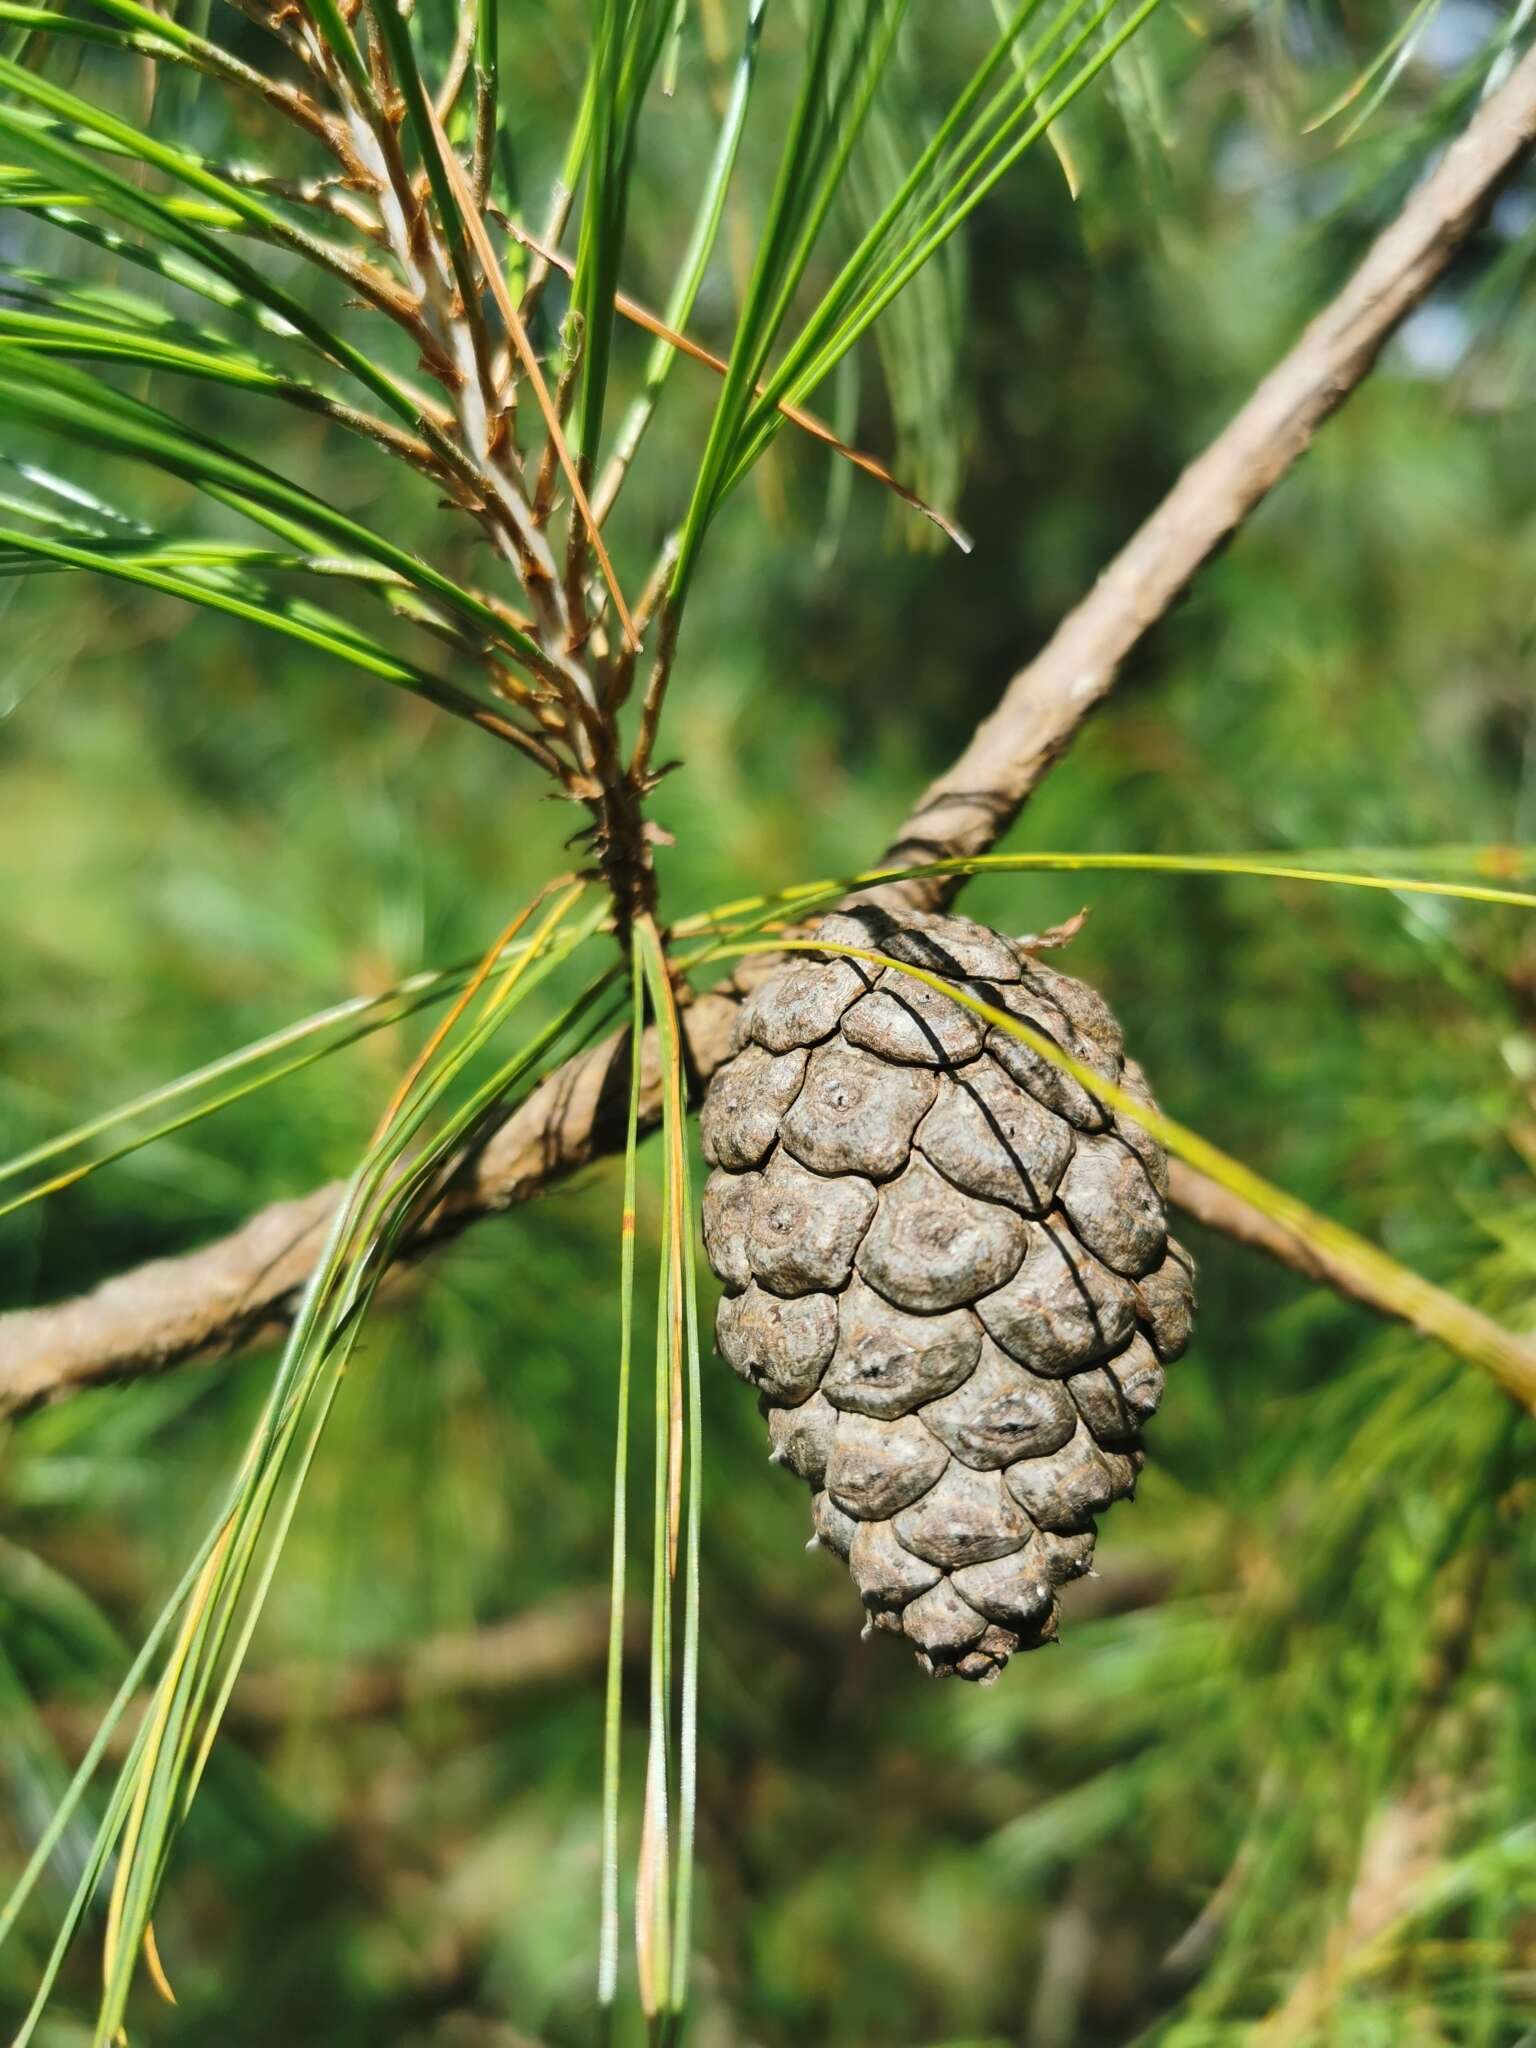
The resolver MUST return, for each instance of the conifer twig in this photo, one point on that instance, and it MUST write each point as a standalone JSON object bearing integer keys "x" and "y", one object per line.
{"x": 211, "y": 1301}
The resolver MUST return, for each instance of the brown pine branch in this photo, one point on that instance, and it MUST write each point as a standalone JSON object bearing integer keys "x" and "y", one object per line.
{"x": 973, "y": 803}
{"x": 212, "y": 1301}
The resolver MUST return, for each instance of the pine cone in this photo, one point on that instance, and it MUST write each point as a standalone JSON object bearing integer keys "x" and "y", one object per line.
{"x": 947, "y": 1271}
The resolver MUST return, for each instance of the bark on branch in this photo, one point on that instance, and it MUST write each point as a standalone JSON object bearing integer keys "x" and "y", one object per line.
{"x": 976, "y": 800}
{"x": 211, "y": 1301}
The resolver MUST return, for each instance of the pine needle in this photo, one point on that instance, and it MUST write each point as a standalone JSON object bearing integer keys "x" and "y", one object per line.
{"x": 641, "y": 316}
{"x": 613, "y": 1701}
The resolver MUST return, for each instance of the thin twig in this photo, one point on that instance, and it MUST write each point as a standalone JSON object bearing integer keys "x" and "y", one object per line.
{"x": 288, "y": 100}
{"x": 320, "y": 195}
{"x": 655, "y": 696}
{"x": 549, "y": 461}
{"x": 621, "y": 675}
{"x": 448, "y": 92}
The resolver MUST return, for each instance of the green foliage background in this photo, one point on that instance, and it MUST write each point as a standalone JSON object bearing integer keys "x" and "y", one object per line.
{"x": 1283, "y": 1763}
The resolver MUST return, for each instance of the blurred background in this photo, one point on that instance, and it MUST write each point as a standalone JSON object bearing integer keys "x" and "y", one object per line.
{"x": 1280, "y": 1772}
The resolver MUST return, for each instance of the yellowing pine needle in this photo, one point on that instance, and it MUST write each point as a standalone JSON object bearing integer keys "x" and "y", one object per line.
{"x": 675, "y": 1126}
{"x": 799, "y": 899}
{"x": 613, "y": 1701}
{"x": 471, "y": 989}
{"x": 165, "y": 1693}
{"x": 168, "y": 1759}
{"x": 651, "y": 1887}
{"x": 155, "y": 1967}
{"x": 673, "y": 1907}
